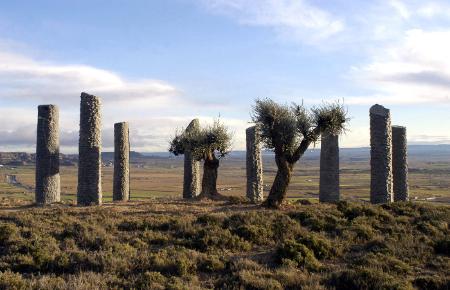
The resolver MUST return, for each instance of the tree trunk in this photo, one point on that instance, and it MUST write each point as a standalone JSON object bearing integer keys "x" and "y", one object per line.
{"x": 280, "y": 185}
{"x": 209, "y": 181}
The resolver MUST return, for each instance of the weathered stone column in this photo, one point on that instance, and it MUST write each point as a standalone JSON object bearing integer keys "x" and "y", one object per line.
{"x": 121, "y": 190}
{"x": 254, "y": 165}
{"x": 329, "y": 169}
{"x": 380, "y": 155}
{"x": 89, "y": 158}
{"x": 400, "y": 163}
{"x": 48, "y": 188}
{"x": 191, "y": 181}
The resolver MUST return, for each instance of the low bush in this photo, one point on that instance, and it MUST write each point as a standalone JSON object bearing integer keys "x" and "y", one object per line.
{"x": 298, "y": 253}
{"x": 366, "y": 279}
{"x": 225, "y": 246}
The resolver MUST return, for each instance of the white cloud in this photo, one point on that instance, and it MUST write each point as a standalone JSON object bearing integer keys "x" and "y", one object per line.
{"x": 401, "y": 8}
{"x": 415, "y": 70}
{"x": 433, "y": 9}
{"x": 23, "y": 78}
{"x": 154, "y": 108}
{"x": 292, "y": 19}
{"x": 430, "y": 139}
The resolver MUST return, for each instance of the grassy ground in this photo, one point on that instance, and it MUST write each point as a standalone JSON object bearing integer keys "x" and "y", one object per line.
{"x": 163, "y": 178}
{"x": 173, "y": 244}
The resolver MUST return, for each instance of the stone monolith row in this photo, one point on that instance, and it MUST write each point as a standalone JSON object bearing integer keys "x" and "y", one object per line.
{"x": 47, "y": 155}
{"x": 380, "y": 155}
{"x": 329, "y": 169}
{"x": 191, "y": 181}
{"x": 254, "y": 165}
{"x": 121, "y": 189}
{"x": 89, "y": 190}
{"x": 400, "y": 163}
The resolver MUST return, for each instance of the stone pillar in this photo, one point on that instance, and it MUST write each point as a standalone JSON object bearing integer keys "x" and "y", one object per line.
{"x": 400, "y": 163}
{"x": 254, "y": 165}
{"x": 380, "y": 155}
{"x": 48, "y": 188}
{"x": 329, "y": 169}
{"x": 191, "y": 181}
{"x": 89, "y": 157}
{"x": 121, "y": 190}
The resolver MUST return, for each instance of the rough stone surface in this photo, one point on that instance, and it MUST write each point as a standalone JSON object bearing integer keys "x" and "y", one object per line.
{"x": 89, "y": 160}
{"x": 48, "y": 188}
{"x": 191, "y": 181}
{"x": 380, "y": 155}
{"x": 121, "y": 189}
{"x": 400, "y": 163}
{"x": 254, "y": 165}
{"x": 329, "y": 169}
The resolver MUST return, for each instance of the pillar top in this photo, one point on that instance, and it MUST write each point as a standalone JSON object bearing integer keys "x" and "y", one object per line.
{"x": 193, "y": 125}
{"x": 47, "y": 106}
{"x": 88, "y": 96}
{"x": 120, "y": 124}
{"x": 398, "y": 127}
{"x": 379, "y": 110}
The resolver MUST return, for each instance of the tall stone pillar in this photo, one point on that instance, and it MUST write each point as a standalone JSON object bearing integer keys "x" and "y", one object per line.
{"x": 191, "y": 181}
{"x": 121, "y": 190}
{"x": 254, "y": 165}
{"x": 48, "y": 188}
{"x": 380, "y": 155}
{"x": 400, "y": 163}
{"x": 89, "y": 159}
{"x": 329, "y": 169}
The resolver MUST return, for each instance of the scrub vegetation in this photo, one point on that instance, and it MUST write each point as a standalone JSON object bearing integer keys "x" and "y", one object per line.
{"x": 170, "y": 244}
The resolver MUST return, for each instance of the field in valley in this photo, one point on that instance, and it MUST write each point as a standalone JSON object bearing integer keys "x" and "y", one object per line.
{"x": 162, "y": 177}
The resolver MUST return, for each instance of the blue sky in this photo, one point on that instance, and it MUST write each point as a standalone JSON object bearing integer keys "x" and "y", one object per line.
{"x": 159, "y": 64}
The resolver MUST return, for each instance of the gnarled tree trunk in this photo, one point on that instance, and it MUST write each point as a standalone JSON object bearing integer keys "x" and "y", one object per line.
{"x": 280, "y": 185}
{"x": 209, "y": 181}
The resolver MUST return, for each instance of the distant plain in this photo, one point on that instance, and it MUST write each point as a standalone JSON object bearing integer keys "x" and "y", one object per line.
{"x": 160, "y": 175}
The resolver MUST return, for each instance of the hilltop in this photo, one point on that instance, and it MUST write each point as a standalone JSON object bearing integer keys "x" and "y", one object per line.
{"x": 174, "y": 244}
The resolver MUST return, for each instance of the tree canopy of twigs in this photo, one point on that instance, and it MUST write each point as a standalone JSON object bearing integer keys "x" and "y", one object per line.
{"x": 289, "y": 130}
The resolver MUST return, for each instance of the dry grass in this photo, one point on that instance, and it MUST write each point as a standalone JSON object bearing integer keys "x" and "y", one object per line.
{"x": 163, "y": 178}
{"x": 175, "y": 244}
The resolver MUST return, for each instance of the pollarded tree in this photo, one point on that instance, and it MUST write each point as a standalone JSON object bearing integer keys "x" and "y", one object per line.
{"x": 289, "y": 131}
{"x": 209, "y": 144}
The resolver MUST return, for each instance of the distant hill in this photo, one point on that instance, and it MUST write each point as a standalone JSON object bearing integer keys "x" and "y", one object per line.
{"x": 430, "y": 153}
{"x": 109, "y": 156}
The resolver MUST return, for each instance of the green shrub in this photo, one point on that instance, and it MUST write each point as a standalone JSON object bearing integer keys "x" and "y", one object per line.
{"x": 213, "y": 238}
{"x": 321, "y": 246}
{"x": 87, "y": 236}
{"x": 209, "y": 219}
{"x": 211, "y": 264}
{"x": 151, "y": 280}
{"x": 387, "y": 263}
{"x": 174, "y": 261}
{"x": 300, "y": 254}
{"x": 366, "y": 279}
{"x": 258, "y": 281}
{"x": 378, "y": 245}
{"x": 255, "y": 234}
{"x": 10, "y": 280}
{"x": 432, "y": 283}
{"x": 443, "y": 246}
{"x": 363, "y": 231}
{"x": 8, "y": 232}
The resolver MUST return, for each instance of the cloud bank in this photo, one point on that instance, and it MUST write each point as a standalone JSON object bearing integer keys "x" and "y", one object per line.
{"x": 296, "y": 20}
{"x": 154, "y": 108}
